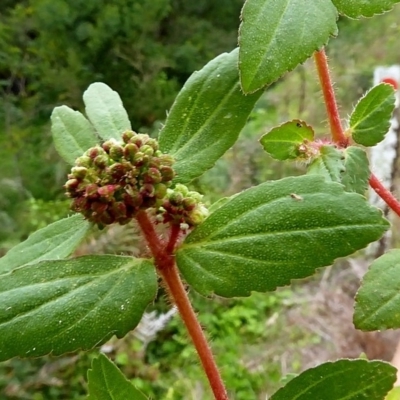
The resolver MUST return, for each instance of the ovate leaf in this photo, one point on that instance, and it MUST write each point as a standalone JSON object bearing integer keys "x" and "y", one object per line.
{"x": 106, "y": 112}
{"x": 282, "y": 142}
{"x": 55, "y": 241}
{"x": 370, "y": 119}
{"x": 329, "y": 163}
{"x": 72, "y": 133}
{"x": 106, "y": 382}
{"x": 378, "y": 300}
{"x": 356, "y": 170}
{"x": 66, "y": 305}
{"x": 277, "y": 35}
{"x": 363, "y": 8}
{"x": 206, "y": 118}
{"x": 341, "y": 380}
{"x": 275, "y": 232}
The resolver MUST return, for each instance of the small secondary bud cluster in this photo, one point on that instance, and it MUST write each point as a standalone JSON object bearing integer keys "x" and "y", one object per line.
{"x": 182, "y": 207}
{"x": 112, "y": 182}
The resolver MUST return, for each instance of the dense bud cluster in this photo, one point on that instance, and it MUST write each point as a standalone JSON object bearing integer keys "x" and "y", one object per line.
{"x": 112, "y": 182}
{"x": 182, "y": 207}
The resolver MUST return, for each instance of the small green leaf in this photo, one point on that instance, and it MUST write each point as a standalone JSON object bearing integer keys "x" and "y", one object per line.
{"x": 105, "y": 111}
{"x": 363, "y": 8}
{"x": 277, "y": 35}
{"x": 66, "y": 305}
{"x": 107, "y": 382}
{"x": 282, "y": 142}
{"x": 275, "y": 232}
{"x": 206, "y": 118}
{"x": 356, "y": 174}
{"x": 330, "y": 164}
{"x": 341, "y": 380}
{"x": 72, "y": 133}
{"x": 370, "y": 119}
{"x": 55, "y": 241}
{"x": 378, "y": 300}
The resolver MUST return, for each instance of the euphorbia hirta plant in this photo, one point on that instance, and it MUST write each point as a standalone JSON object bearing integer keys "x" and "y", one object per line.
{"x": 256, "y": 240}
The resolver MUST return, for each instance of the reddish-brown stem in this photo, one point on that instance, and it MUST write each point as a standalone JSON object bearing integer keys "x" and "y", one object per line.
{"x": 321, "y": 62}
{"x": 153, "y": 240}
{"x": 385, "y": 194}
{"x": 173, "y": 238}
{"x": 179, "y": 295}
{"x": 165, "y": 264}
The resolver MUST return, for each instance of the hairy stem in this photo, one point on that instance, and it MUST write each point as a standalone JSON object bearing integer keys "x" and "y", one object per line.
{"x": 321, "y": 62}
{"x": 385, "y": 194}
{"x": 338, "y": 135}
{"x": 173, "y": 238}
{"x": 165, "y": 264}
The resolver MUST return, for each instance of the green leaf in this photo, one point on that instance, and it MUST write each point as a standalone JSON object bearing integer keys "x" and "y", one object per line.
{"x": 370, "y": 119}
{"x": 341, "y": 380}
{"x": 206, "y": 118}
{"x": 282, "y": 142}
{"x": 329, "y": 164}
{"x": 105, "y": 111}
{"x": 275, "y": 232}
{"x": 65, "y": 305}
{"x": 363, "y": 8}
{"x": 107, "y": 382}
{"x": 356, "y": 174}
{"x": 277, "y": 35}
{"x": 72, "y": 133}
{"x": 378, "y": 300}
{"x": 55, "y": 241}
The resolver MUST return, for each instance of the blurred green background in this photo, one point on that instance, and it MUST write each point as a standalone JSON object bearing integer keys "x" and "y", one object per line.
{"x": 50, "y": 51}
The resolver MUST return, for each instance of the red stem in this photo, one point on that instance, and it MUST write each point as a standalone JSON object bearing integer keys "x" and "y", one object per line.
{"x": 385, "y": 194}
{"x": 321, "y": 62}
{"x": 338, "y": 135}
{"x": 165, "y": 264}
{"x": 179, "y": 295}
{"x": 173, "y": 238}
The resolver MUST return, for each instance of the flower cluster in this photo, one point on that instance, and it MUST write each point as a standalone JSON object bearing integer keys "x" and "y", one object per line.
{"x": 182, "y": 207}
{"x": 112, "y": 182}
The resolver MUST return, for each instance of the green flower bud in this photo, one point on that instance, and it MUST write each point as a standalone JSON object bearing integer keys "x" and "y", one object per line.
{"x": 189, "y": 203}
{"x": 101, "y": 161}
{"x": 153, "y": 175}
{"x": 166, "y": 159}
{"x": 148, "y": 150}
{"x": 161, "y": 190}
{"x": 71, "y": 184}
{"x": 175, "y": 198}
{"x": 153, "y": 143}
{"x": 94, "y": 152}
{"x": 129, "y": 151}
{"x": 167, "y": 173}
{"x": 108, "y": 144}
{"x": 116, "y": 152}
{"x": 127, "y": 135}
{"x": 79, "y": 172}
{"x": 117, "y": 171}
{"x": 84, "y": 161}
